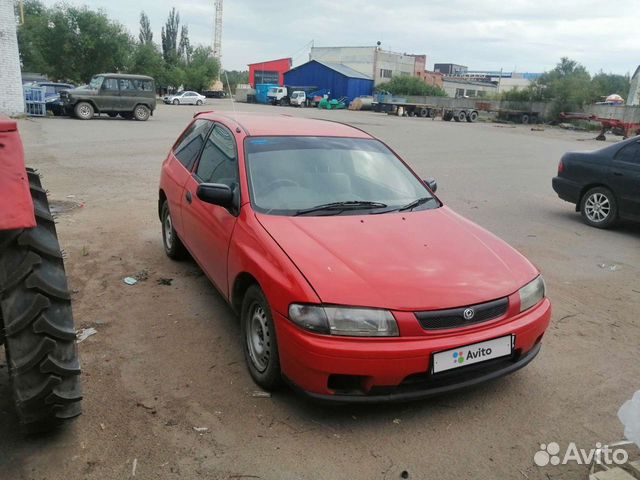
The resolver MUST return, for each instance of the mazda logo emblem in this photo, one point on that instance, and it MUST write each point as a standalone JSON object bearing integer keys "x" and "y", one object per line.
{"x": 468, "y": 313}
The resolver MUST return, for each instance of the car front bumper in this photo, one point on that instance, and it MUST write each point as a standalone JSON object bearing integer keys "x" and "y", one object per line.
{"x": 341, "y": 369}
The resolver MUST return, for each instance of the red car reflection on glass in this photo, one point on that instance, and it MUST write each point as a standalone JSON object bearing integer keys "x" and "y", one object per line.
{"x": 352, "y": 280}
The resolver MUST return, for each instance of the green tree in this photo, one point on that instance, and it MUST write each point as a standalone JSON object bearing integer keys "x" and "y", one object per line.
{"x": 184, "y": 47}
{"x": 169, "y": 36}
{"x": 147, "y": 60}
{"x": 202, "y": 71}
{"x": 146, "y": 35}
{"x": 232, "y": 78}
{"x": 72, "y": 43}
{"x": 605, "y": 84}
{"x": 408, "y": 85}
{"x": 568, "y": 86}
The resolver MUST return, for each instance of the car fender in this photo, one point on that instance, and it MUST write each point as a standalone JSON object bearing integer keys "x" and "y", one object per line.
{"x": 14, "y": 183}
{"x": 252, "y": 251}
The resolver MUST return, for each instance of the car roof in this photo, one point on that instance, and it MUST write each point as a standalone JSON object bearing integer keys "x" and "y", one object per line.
{"x": 123, "y": 75}
{"x": 257, "y": 124}
{"x": 52, "y": 84}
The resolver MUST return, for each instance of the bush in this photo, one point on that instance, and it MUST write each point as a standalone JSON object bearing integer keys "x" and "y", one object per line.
{"x": 407, "y": 85}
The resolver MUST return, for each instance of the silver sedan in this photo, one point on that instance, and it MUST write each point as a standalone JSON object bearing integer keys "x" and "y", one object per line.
{"x": 185, "y": 98}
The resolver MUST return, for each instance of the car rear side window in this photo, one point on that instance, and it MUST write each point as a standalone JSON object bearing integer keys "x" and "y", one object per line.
{"x": 630, "y": 153}
{"x": 191, "y": 142}
{"x": 219, "y": 159}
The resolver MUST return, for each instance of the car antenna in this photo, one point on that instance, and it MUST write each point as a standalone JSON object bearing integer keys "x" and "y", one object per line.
{"x": 233, "y": 105}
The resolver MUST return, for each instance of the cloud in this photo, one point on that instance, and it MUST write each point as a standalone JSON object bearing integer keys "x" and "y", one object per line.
{"x": 527, "y": 35}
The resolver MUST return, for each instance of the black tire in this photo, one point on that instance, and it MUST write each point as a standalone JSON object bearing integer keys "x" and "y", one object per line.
{"x": 424, "y": 112}
{"x": 256, "y": 324}
{"x": 599, "y": 208}
{"x": 283, "y": 102}
{"x": 447, "y": 117}
{"x": 39, "y": 334}
{"x": 472, "y": 117}
{"x": 141, "y": 113}
{"x": 173, "y": 246}
{"x": 524, "y": 119}
{"x": 199, "y": 102}
{"x": 176, "y": 102}
{"x": 84, "y": 111}
{"x": 460, "y": 117}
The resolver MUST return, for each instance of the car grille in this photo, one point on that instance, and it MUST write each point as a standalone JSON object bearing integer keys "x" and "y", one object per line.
{"x": 454, "y": 317}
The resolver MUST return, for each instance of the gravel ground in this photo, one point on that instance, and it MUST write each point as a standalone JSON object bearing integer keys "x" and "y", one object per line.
{"x": 168, "y": 358}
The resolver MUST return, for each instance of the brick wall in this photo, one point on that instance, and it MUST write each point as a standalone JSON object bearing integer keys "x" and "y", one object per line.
{"x": 11, "y": 97}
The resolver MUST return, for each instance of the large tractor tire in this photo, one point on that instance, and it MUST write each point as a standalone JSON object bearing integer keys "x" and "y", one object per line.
{"x": 36, "y": 321}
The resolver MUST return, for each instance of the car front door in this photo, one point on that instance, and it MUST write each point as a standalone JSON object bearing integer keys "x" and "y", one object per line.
{"x": 208, "y": 228}
{"x": 625, "y": 178}
{"x": 108, "y": 97}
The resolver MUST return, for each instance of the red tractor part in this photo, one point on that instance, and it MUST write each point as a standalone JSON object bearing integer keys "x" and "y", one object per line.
{"x": 16, "y": 208}
{"x": 36, "y": 321}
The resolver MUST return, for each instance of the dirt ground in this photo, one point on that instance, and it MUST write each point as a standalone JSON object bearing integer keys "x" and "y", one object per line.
{"x": 168, "y": 358}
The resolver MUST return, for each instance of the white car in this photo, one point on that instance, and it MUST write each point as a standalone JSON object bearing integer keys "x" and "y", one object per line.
{"x": 185, "y": 98}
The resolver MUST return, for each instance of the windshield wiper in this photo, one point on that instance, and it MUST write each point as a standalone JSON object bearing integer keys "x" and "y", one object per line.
{"x": 415, "y": 203}
{"x": 341, "y": 206}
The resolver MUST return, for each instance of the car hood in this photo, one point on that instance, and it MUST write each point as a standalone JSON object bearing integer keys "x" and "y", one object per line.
{"x": 425, "y": 260}
{"x": 85, "y": 91}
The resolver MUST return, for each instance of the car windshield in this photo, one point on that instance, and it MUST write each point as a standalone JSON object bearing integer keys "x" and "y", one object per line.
{"x": 330, "y": 176}
{"x": 96, "y": 83}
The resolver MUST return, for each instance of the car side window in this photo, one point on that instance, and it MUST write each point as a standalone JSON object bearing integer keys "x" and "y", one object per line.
{"x": 126, "y": 84}
{"x": 219, "y": 159}
{"x": 190, "y": 144}
{"x": 629, "y": 153}
{"x": 110, "y": 84}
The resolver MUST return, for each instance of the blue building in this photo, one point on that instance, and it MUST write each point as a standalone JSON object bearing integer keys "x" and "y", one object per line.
{"x": 341, "y": 80}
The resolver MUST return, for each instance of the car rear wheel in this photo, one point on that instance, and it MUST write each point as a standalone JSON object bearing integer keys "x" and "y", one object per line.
{"x": 599, "y": 208}
{"x": 141, "y": 113}
{"x": 84, "y": 111}
{"x": 259, "y": 339}
{"x": 173, "y": 246}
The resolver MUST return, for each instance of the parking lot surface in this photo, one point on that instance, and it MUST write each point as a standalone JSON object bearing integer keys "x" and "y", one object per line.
{"x": 167, "y": 394}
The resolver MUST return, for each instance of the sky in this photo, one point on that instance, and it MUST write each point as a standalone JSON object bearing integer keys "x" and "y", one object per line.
{"x": 514, "y": 35}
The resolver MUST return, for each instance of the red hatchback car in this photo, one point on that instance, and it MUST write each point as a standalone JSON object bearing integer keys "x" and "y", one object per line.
{"x": 353, "y": 282}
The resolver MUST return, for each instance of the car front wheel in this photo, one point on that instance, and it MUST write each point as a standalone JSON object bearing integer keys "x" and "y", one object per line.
{"x": 599, "y": 208}
{"x": 259, "y": 339}
{"x": 84, "y": 111}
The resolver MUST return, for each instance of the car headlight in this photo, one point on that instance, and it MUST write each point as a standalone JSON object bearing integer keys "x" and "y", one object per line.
{"x": 531, "y": 293}
{"x": 344, "y": 321}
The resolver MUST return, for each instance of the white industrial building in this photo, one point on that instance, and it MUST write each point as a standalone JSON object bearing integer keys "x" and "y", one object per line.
{"x": 379, "y": 64}
{"x": 458, "y": 87}
{"x": 11, "y": 97}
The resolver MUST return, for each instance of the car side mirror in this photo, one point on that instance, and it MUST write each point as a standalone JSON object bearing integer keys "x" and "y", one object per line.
{"x": 431, "y": 183}
{"x": 215, "y": 194}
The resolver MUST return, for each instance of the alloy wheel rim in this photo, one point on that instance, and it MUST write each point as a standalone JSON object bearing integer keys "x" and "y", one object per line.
{"x": 259, "y": 338}
{"x": 168, "y": 235}
{"x": 597, "y": 207}
{"x": 84, "y": 111}
{"x": 141, "y": 112}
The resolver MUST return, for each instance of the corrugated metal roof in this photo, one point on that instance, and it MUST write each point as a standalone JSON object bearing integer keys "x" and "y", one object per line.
{"x": 340, "y": 68}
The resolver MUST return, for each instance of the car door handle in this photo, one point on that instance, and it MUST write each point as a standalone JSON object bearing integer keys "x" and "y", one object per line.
{"x": 188, "y": 197}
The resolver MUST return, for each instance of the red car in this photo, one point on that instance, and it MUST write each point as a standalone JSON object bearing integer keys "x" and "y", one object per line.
{"x": 353, "y": 282}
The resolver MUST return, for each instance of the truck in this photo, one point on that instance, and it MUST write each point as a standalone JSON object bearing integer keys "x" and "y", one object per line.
{"x": 458, "y": 109}
{"x": 306, "y": 96}
{"x": 36, "y": 321}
